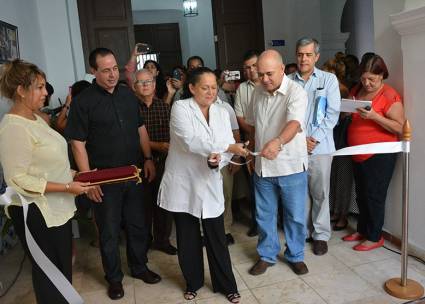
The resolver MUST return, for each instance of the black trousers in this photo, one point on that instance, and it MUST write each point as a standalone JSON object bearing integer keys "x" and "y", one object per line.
{"x": 55, "y": 242}
{"x": 122, "y": 206}
{"x": 158, "y": 220}
{"x": 190, "y": 253}
{"x": 372, "y": 179}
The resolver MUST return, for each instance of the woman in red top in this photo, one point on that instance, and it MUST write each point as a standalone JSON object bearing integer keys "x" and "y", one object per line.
{"x": 372, "y": 172}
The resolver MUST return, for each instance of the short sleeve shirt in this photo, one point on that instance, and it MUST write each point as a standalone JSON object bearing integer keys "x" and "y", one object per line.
{"x": 109, "y": 124}
{"x": 232, "y": 115}
{"x": 243, "y": 97}
{"x": 269, "y": 114}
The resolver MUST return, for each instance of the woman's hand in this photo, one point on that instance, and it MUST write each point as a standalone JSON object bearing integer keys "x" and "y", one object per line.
{"x": 367, "y": 114}
{"x": 239, "y": 149}
{"x": 214, "y": 160}
{"x": 78, "y": 188}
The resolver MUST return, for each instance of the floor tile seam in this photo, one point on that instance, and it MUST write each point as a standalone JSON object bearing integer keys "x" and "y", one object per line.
{"x": 370, "y": 285}
{"x": 314, "y": 290}
{"x": 370, "y": 262}
{"x": 241, "y": 277}
{"x": 255, "y": 297}
{"x": 342, "y": 261}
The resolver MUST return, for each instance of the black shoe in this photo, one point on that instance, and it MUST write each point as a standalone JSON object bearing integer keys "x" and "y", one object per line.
{"x": 115, "y": 291}
{"x": 260, "y": 267}
{"x": 298, "y": 267}
{"x": 168, "y": 249}
{"x": 229, "y": 239}
{"x": 339, "y": 228}
{"x": 252, "y": 232}
{"x": 320, "y": 247}
{"x": 149, "y": 277}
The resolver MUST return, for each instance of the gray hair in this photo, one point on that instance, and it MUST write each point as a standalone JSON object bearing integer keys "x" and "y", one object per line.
{"x": 306, "y": 41}
{"x": 142, "y": 71}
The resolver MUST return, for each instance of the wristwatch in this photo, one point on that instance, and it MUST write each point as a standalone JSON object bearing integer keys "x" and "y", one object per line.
{"x": 149, "y": 158}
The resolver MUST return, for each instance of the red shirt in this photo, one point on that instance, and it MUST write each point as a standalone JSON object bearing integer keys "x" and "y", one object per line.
{"x": 365, "y": 131}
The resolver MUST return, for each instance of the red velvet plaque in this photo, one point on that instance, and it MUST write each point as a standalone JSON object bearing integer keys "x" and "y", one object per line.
{"x": 110, "y": 175}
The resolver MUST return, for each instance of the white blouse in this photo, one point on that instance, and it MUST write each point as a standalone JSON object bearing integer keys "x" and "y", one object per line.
{"x": 188, "y": 184}
{"x": 32, "y": 154}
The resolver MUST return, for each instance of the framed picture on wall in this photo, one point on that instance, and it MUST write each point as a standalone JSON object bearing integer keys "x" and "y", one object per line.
{"x": 9, "y": 46}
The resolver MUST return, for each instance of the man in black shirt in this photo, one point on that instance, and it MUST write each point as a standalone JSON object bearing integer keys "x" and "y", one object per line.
{"x": 106, "y": 131}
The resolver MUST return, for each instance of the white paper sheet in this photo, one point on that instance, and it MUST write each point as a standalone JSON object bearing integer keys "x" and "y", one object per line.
{"x": 350, "y": 105}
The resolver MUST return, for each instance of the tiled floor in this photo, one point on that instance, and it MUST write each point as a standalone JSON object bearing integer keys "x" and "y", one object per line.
{"x": 341, "y": 276}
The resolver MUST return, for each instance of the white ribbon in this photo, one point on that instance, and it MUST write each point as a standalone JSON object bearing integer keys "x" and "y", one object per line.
{"x": 51, "y": 271}
{"x": 375, "y": 148}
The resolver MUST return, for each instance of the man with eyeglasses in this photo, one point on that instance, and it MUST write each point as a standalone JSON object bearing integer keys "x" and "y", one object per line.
{"x": 107, "y": 131}
{"x": 156, "y": 115}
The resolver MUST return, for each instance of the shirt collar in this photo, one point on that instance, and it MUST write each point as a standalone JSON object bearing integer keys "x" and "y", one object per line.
{"x": 314, "y": 74}
{"x": 283, "y": 88}
{"x": 155, "y": 100}
{"x": 250, "y": 83}
{"x": 102, "y": 90}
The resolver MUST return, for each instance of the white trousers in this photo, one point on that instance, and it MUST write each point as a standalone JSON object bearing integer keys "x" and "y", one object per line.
{"x": 317, "y": 205}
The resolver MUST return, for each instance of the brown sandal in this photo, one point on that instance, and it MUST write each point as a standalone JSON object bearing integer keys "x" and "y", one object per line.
{"x": 234, "y": 297}
{"x": 189, "y": 295}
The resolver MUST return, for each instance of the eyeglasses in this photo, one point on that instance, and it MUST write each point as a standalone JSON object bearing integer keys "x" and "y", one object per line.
{"x": 144, "y": 82}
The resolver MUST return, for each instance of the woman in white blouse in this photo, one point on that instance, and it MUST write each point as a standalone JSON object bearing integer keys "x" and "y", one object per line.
{"x": 200, "y": 133}
{"x": 35, "y": 164}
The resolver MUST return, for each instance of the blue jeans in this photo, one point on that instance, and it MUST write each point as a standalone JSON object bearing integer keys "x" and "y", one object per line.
{"x": 292, "y": 191}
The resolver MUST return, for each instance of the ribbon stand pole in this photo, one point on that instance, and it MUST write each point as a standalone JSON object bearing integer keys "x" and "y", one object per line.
{"x": 404, "y": 288}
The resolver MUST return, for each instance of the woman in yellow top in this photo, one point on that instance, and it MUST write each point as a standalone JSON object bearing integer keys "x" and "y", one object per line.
{"x": 35, "y": 163}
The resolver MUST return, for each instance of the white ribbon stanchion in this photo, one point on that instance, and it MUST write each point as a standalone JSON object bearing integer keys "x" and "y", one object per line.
{"x": 51, "y": 271}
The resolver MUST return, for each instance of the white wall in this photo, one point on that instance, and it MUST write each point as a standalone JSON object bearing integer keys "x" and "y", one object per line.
{"x": 412, "y": 4}
{"x": 293, "y": 19}
{"x": 290, "y": 20}
{"x": 388, "y": 45}
{"x": 196, "y": 33}
{"x": 65, "y": 62}
{"x": 23, "y": 14}
{"x": 387, "y": 40}
{"x": 411, "y": 25}
{"x": 47, "y": 39}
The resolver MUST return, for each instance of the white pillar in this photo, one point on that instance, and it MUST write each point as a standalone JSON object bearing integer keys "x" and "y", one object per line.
{"x": 410, "y": 24}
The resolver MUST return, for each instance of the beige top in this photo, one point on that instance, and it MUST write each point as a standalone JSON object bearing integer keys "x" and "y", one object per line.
{"x": 31, "y": 154}
{"x": 269, "y": 113}
{"x": 243, "y": 98}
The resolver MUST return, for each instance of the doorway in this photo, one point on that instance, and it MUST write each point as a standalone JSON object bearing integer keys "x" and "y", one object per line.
{"x": 238, "y": 27}
{"x": 165, "y": 40}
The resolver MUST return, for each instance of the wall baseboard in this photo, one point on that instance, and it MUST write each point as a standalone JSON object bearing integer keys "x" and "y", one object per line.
{"x": 396, "y": 241}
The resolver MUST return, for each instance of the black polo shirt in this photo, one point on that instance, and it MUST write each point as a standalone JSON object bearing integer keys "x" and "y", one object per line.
{"x": 109, "y": 124}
